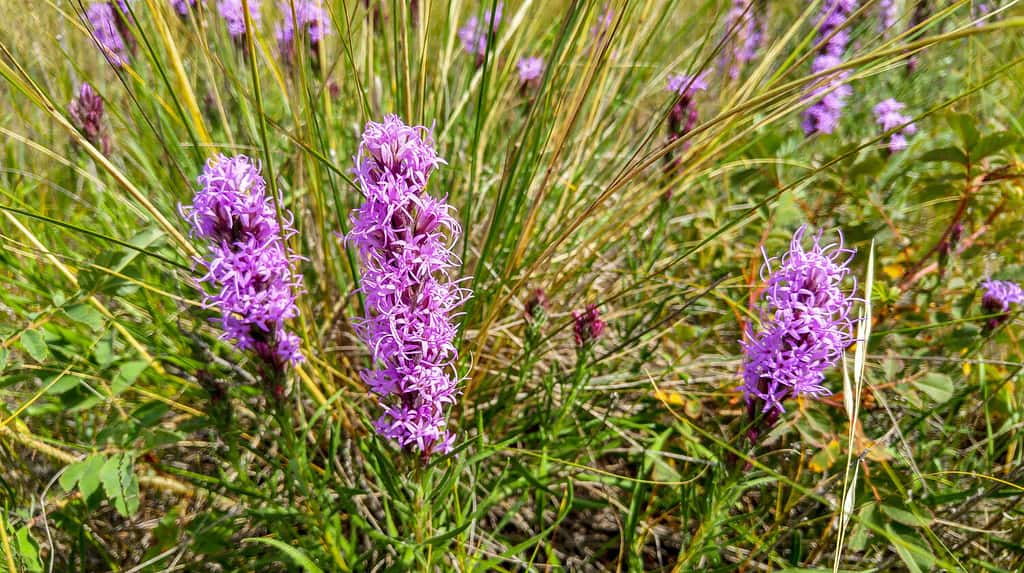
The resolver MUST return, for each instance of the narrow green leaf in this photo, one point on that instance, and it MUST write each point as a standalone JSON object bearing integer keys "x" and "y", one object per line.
{"x": 296, "y": 555}
{"x": 937, "y": 386}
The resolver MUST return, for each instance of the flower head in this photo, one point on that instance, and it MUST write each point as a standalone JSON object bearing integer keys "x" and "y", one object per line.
{"x": 806, "y": 324}
{"x": 248, "y": 264}
{"x": 830, "y": 98}
{"x": 183, "y": 6}
{"x": 311, "y": 16}
{"x": 998, "y": 297}
{"x": 104, "y": 21}
{"x": 86, "y": 112}
{"x": 683, "y": 116}
{"x": 404, "y": 239}
{"x": 685, "y": 85}
{"x": 233, "y": 12}
{"x": 746, "y": 25}
{"x": 587, "y": 325}
{"x": 888, "y": 116}
{"x": 473, "y": 34}
{"x": 530, "y": 69}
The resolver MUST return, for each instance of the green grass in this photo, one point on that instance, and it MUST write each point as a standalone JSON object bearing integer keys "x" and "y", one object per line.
{"x": 134, "y": 440}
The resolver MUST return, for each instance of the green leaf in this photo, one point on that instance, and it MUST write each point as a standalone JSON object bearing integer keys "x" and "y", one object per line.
{"x": 296, "y": 555}
{"x": 126, "y": 375}
{"x": 915, "y": 555}
{"x": 3, "y": 359}
{"x": 905, "y": 517}
{"x": 64, "y": 384}
{"x": 89, "y": 481}
{"x": 963, "y": 123}
{"x": 28, "y": 551}
{"x": 34, "y": 343}
{"x": 950, "y": 154}
{"x": 937, "y": 386}
{"x": 121, "y": 484}
{"x": 85, "y": 314}
{"x": 994, "y": 143}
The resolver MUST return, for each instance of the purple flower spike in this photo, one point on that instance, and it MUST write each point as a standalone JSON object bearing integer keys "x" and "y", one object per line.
{"x": 530, "y": 69}
{"x": 830, "y": 99}
{"x": 888, "y": 116}
{"x": 104, "y": 20}
{"x": 473, "y": 34}
{"x": 587, "y": 325}
{"x": 404, "y": 239}
{"x": 311, "y": 16}
{"x": 234, "y": 16}
{"x": 248, "y": 264}
{"x": 889, "y": 12}
{"x": 998, "y": 297}
{"x": 86, "y": 112}
{"x": 805, "y": 326}
{"x": 683, "y": 116}
{"x": 746, "y": 25}
{"x": 182, "y": 7}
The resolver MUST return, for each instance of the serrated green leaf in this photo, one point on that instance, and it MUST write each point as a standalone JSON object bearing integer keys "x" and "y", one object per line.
{"x": 71, "y": 474}
{"x": 89, "y": 481}
{"x": 121, "y": 484}
{"x": 937, "y": 386}
{"x": 85, "y": 314}
{"x": 35, "y": 344}
{"x": 296, "y": 555}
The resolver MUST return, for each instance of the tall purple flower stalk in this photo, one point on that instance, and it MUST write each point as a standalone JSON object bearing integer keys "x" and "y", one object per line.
{"x": 233, "y": 13}
{"x": 888, "y": 116}
{"x": 683, "y": 116}
{"x": 86, "y": 112}
{"x": 805, "y": 326}
{"x": 823, "y": 115}
{"x": 248, "y": 263}
{"x": 404, "y": 239}
{"x": 745, "y": 23}
{"x": 104, "y": 21}
{"x": 998, "y": 297}
{"x": 310, "y": 16}
{"x": 473, "y": 34}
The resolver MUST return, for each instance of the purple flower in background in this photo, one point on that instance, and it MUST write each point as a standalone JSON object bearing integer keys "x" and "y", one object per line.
{"x": 683, "y": 116}
{"x": 103, "y": 20}
{"x": 86, "y": 112}
{"x": 248, "y": 265}
{"x": 234, "y": 16}
{"x": 998, "y": 297}
{"x": 309, "y": 15}
{"x": 603, "y": 24}
{"x": 404, "y": 239}
{"x": 888, "y": 13}
{"x": 473, "y": 33}
{"x": 746, "y": 27}
{"x": 805, "y": 326}
{"x": 183, "y": 6}
{"x": 888, "y": 116}
{"x": 823, "y": 115}
{"x": 530, "y": 69}
{"x": 587, "y": 325}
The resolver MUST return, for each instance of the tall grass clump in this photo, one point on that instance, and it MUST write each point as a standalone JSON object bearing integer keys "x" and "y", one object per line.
{"x": 335, "y": 285}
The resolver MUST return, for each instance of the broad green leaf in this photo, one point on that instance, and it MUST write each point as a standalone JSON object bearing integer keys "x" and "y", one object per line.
{"x": 89, "y": 481}
{"x": 994, "y": 143}
{"x": 85, "y": 314}
{"x": 296, "y": 555}
{"x": 950, "y": 154}
{"x": 121, "y": 484}
{"x": 28, "y": 551}
{"x": 937, "y": 386}
{"x": 3, "y": 359}
{"x": 64, "y": 384}
{"x": 905, "y": 517}
{"x": 34, "y": 343}
{"x": 126, "y": 375}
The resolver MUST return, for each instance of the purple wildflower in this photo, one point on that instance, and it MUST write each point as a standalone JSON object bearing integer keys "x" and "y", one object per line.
{"x": 182, "y": 7}
{"x": 311, "y": 16}
{"x": 86, "y": 112}
{"x": 683, "y": 116}
{"x": 888, "y": 116}
{"x": 998, "y": 297}
{"x": 404, "y": 239}
{"x": 473, "y": 33}
{"x": 747, "y": 30}
{"x": 889, "y": 12}
{"x": 530, "y": 70}
{"x": 104, "y": 20}
{"x": 805, "y": 326}
{"x": 249, "y": 263}
{"x": 536, "y": 306}
{"x": 823, "y": 115}
{"x": 234, "y": 16}
{"x": 603, "y": 24}
{"x": 587, "y": 325}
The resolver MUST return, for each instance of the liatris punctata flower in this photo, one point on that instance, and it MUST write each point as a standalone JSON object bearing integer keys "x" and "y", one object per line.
{"x": 888, "y": 116}
{"x": 530, "y": 70}
{"x": 998, "y": 297}
{"x": 823, "y": 115}
{"x": 404, "y": 239}
{"x": 103, "y": 19}
{"x": 309, "y": 15}
{"x": 536, "y": 306}
{"x": 889, "y": 12}
{"x": 473, "y": 33}
{"x": 683, "y": 116}
{"x": 183, "y": 6}
{"x": 234, "y": 16}
{"x": 587, "y": 325}
{"x": 248, "y": 264}
{"x": 745, "y": 25}
{"x": 86, "y": 112}
{"x": 805, "y": 326}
